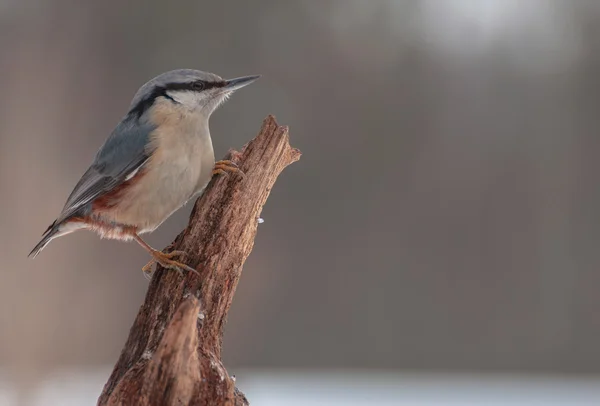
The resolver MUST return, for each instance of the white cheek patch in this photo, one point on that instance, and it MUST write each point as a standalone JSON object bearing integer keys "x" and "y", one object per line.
{"x": 185, "y": 97}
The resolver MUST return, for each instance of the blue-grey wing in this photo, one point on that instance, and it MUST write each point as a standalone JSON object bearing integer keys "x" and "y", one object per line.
{"x": 123, "y": 153}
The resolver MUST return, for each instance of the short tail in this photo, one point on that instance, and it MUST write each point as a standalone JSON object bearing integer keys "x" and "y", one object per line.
{"x": 56, "y": 230}
{"x": 50, "y": 233}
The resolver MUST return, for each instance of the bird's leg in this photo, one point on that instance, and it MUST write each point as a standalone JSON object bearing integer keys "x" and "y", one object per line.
{"x": 165, "y": 259}
{"x": 224, "y": 166}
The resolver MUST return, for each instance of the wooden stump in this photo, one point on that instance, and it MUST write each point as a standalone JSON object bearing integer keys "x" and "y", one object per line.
{"x": 173, "y": 353}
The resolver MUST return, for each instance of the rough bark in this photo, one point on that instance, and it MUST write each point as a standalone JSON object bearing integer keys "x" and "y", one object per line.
{"x": 173, "y": 353}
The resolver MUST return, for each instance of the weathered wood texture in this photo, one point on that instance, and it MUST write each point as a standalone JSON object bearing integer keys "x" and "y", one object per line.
{"x": 173, "y": 353}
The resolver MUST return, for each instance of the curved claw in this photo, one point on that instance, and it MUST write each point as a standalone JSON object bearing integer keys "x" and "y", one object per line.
{"x": 225, "y": 166}
{"x": 178, "y": 266}
{"x": 166, "y": 261}
{"x": 173, "y": 254}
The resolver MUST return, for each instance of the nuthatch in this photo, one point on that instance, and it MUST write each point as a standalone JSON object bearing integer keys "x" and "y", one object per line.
{"x": 157, "y": 158}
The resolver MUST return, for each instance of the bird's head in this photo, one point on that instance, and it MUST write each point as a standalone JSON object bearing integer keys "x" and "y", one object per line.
{"x": 192, "y": 89}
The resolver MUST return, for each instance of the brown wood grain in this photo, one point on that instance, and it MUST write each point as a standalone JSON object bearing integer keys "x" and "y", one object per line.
{"x": 173, "y": 353}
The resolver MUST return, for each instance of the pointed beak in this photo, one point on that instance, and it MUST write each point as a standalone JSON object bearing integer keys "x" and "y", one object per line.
{"x": 238, "y": 83}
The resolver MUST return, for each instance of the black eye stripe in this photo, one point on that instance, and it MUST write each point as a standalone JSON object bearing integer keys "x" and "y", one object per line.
{"x": 199, "y": 85}
{"x": 144, "y": 104}
{"x": 212, "y": 85}
{"x": 194, "y": 85}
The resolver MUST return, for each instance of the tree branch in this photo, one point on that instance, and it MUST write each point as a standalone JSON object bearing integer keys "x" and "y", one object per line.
{"x": 173, "y": 353}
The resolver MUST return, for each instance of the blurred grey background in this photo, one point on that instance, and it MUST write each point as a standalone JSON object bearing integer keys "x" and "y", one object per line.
{"x": 443, "y": 216}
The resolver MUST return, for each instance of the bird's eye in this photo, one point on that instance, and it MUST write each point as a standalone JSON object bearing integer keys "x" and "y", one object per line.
{"x": 198, "y": 85}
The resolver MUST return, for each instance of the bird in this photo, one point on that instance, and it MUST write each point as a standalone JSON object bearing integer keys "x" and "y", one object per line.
{"x": 159, "y": 156}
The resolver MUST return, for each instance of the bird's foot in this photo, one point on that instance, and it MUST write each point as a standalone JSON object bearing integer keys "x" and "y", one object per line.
{"x": 166, "y": 261}
{"x": 225, "y": 166}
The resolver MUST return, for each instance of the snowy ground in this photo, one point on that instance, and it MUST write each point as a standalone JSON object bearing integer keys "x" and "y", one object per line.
{"x": 306, "y": 388}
